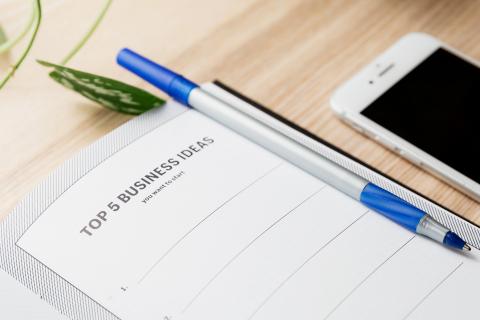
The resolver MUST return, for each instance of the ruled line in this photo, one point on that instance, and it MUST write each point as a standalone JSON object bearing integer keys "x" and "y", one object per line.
{"x": 368, "y": 277}
{"x": 264, "y": 302}
{"x": 431, "y": 291}
{"x": 248, "y": 246}
{"x": 202, "y": 221}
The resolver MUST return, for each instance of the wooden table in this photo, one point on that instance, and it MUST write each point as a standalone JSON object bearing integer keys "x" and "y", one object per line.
{"x": 289, "y": 55}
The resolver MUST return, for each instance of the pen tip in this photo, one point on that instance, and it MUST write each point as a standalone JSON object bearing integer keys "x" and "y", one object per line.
{"x": 466, "y": 247}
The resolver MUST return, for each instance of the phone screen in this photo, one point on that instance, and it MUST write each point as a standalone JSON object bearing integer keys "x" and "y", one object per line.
{"x": 436, "y": 107}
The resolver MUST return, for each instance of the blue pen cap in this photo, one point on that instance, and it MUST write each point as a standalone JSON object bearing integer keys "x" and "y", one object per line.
{"x": 166, "y": 80}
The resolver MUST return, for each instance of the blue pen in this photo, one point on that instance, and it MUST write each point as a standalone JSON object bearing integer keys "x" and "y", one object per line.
{"x": 371, "y": 195}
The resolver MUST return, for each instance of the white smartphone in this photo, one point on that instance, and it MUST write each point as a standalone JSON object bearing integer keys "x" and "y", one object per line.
{"x": 421, "y": 99}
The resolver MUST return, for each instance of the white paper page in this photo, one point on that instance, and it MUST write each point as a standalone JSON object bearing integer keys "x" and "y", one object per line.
{"x": 228, "y": 230}
{"x": 19, "y": 303}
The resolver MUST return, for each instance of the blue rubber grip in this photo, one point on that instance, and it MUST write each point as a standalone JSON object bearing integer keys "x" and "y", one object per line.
{"x": 165, "y": 79}
{"x": 391, "y": 206}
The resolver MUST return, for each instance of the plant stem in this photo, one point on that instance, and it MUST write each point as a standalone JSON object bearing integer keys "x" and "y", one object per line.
{"x": 38, "y": 16}
{"x": 88, "y": 34}
{"x": 4, "y": 47}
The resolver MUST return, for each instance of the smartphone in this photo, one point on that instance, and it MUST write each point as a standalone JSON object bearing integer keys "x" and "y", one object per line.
{"x": 420, "y": 98}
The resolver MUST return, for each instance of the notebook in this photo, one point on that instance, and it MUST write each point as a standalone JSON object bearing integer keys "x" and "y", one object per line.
{"x": 174, "y": 216}
{"x": 19, "y": 303}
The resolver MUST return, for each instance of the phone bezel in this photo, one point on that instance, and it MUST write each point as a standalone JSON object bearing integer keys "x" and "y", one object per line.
{"x": 350, "y": 99}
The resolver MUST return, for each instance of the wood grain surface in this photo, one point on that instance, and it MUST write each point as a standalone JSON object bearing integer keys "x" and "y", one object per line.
{"x": 288, "y": 55}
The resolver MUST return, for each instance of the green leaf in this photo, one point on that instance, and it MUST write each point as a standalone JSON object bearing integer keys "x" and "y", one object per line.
{"x": 3, "y": 36}
{"x": 35, "y": 21}
{"x": 112, "y": 94}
